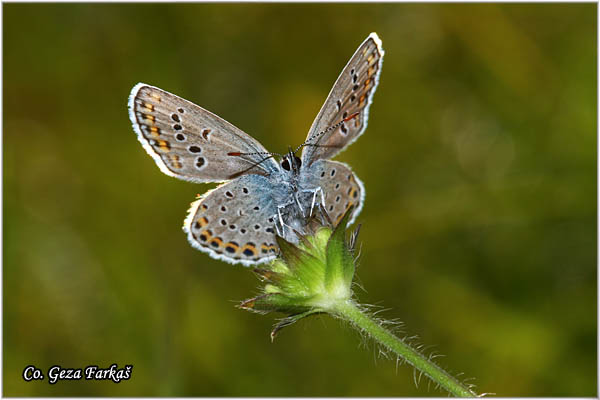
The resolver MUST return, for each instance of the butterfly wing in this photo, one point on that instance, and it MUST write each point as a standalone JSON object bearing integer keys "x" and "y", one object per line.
{"x": 341, "y": 188}
{"x": 351, "y": 94}
{"x": 235, "y": 222}
{"x": 190, "y": 143}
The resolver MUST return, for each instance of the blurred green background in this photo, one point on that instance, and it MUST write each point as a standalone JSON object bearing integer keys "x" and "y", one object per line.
{"x": 479, "y": 227}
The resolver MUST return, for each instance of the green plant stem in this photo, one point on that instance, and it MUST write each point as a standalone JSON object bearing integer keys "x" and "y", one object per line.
{"x": 349, "y": 311}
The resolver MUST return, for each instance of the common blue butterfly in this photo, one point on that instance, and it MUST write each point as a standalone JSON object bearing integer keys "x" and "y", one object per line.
{"x": 261, "y": 197}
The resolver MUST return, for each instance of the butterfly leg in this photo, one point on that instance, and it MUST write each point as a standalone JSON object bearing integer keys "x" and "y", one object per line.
{"x": 288, "y": 220}
{"x": 299, "y": 205}
{"x": 279, "y": 233}
{"x": 312, "y": 205}
{"x": 283, "y": 224}
{"x": 281, "y": 221}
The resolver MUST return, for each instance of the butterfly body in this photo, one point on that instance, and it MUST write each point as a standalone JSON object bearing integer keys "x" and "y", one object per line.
{"x": 261, "y": 197}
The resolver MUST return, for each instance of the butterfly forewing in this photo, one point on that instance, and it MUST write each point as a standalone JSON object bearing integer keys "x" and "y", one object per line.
{"x": 190, "y": 143}
{"x": 236, "y": 221}
{"x": 348, "y": 103}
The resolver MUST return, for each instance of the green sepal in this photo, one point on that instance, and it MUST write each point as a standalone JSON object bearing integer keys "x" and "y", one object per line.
{"x": 278, "y": 302}
{"x": 268, "y": 275}
{"x": 317, "y": 244}
{"x": 289, "y": 253}
{"x": 340, "y": 262}
{"x": 291, "y": 319}
{"x": 306, "y": 269}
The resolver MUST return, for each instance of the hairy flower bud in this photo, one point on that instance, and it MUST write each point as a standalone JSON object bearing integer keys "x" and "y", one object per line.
{"x": 307, "y": 278}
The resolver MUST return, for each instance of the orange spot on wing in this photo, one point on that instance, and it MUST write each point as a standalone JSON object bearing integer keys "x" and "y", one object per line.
{"x": 163, "y": 145}
{"x": 232, "y": 247}
{"x": 372, "y": 58}
{"x": 155, "y": 131}
{"x": 203, "y": 221}
{"x": 216, "y": 242}
{"x": 249, "y": 250}
{"x": 175, "y": 161}
{"x": 205, "y": 236}
{"x": 266, "y": 248}
{"x": 361, "y": 100}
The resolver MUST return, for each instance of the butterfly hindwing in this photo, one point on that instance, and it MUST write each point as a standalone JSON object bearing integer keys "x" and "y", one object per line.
{"x": 235, "y": 222}
{"x": 341, "y": 188}
{"x": 348, "y": 101}
{"x": 190, "y": 143}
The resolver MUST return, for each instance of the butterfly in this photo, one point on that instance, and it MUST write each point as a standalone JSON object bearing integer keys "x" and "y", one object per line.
{"x": 262, "y": 196}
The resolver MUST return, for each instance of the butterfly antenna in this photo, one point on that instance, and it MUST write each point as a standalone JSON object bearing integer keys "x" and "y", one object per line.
{"x": 236, "y": 153}
{"x": 332, "y": 127}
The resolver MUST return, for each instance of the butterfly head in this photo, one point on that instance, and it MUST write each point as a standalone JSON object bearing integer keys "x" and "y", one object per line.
{"x": 290, "y": 162}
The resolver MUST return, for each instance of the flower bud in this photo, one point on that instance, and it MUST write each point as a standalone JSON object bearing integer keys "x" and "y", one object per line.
{"x": 307, "y": 278}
